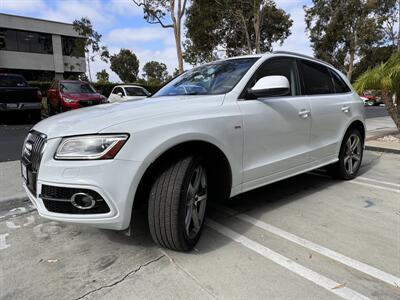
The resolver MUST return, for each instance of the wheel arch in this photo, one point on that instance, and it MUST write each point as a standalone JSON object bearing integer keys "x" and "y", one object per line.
{"x": 217, "y": 162}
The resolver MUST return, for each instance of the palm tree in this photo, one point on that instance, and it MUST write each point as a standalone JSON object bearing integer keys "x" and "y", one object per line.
{"x": 384, "y": 77}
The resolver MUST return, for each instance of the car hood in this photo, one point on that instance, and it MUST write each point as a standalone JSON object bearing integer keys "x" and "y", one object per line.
{"x": 96, "y": 118}
{"x": 83, "y": 96}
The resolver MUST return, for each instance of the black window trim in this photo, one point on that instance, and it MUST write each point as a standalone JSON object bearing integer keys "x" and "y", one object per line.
{"x": 242, "y": 95}
{"x": 329, "y": 69}
{"x": 332, "y": 72}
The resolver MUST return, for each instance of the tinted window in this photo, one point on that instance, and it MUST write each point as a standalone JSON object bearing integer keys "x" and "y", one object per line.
{"x": 76, "y": 87}
{"x": 12, "y": 81}
{"x": 279, "y": 66}
{"x": 72, "y": 46}
{"x": 215, "y": 78}
{"x": 338, "y": 83}
{"x": 135, "y": 91}
{"x": 26, "y": 41}
{"x": 316, "y": 79}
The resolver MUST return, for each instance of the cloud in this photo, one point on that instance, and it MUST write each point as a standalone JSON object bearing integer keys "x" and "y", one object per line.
{"x": 298, "y": 41}
{"x": 128, "y": 36}
{"x": 124, "y": 8}
{"x": 68, "y": 11}
{"x": 21, "y": 6}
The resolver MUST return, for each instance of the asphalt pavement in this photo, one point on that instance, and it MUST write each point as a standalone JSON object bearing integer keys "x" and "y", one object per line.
{"x": 15, "y": 127}
{"x": 308, "y": 237}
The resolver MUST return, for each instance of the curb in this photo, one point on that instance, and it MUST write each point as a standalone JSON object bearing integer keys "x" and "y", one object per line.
{"x": 379, "y": 135}
{"x": 381, "y": 149}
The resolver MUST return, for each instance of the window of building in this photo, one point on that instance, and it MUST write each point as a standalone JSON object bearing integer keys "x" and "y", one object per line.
{"x": 25, "y": 41}
{"x": 72, "y": 46}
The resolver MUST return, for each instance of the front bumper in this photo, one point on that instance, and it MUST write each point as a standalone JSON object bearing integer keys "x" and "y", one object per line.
{"x": 115, "y": 180}
{"x": 24, "y": 106}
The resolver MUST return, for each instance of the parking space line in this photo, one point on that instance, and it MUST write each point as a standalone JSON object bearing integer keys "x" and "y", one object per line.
{"x": 320, "y": 280}
{"x": 379, "y": 181}
{"x": 356, "y": 181}
{"x": 350, "y": 262}
{"x": 375, "y": 186}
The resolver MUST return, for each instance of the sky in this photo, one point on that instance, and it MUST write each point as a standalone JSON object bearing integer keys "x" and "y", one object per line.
{"x": 122, "y": 25}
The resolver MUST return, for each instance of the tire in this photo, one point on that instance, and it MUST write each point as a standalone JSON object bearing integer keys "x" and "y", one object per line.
{"x": 349, "y": 160}
{"x": 50, "y": 109}
{"x": 178, "y": 198}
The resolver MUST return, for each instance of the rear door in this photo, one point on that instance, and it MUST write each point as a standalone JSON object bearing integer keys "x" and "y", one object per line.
{"x": 276, "y": 129}
{"x": 330, "y": 100}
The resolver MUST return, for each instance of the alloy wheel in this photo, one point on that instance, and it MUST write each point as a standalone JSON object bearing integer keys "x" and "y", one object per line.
{"x": 196, "y": 200}
{"x": 353, "y": 152}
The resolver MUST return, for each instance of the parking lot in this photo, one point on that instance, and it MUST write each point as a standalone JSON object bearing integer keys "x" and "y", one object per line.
{"x": 308, "y": 237}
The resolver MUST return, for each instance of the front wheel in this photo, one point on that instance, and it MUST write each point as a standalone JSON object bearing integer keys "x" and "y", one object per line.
{"x": 177, "y": 204}
{"x": 350, "y": 156}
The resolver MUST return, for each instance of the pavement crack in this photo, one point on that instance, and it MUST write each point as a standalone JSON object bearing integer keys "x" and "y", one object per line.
{"x": 122, "y": 279}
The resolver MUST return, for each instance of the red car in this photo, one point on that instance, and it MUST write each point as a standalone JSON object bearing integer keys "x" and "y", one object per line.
{"x": 65, "y": 95}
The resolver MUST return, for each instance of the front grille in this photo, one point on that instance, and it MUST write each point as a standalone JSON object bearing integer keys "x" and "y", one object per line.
{"x": 89, "y": 102}
{"x": 32, "y": 156}
{"x": 58, "y": 199}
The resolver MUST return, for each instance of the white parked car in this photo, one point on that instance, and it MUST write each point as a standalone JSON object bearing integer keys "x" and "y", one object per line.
{"x": 216, "y": 131}
{"x": 127, "y": 93}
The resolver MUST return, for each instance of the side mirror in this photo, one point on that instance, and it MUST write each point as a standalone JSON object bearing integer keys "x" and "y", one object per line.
{"x": 269, "y": 86}
{"x": 119, "y": 94}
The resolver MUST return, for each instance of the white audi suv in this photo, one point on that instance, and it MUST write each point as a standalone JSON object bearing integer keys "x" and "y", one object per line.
{"x": 214, "y": 132}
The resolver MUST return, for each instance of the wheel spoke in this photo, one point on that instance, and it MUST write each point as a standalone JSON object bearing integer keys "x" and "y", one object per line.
{"x": 195, "y": 218}
{"x": 356, "y": 157}
{"x": 351, "y": 166}
{"x": 355, "y": 143}
{"x": 348, "y": 145}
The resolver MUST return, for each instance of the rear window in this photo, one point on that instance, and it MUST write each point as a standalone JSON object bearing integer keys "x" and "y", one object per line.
{"x": 76, "y": 87}
{"x": 135, "y": 91}
{"x": 338, "y": 83}
{"x": 12, "y": 81}
{"x": 316, "y": 78}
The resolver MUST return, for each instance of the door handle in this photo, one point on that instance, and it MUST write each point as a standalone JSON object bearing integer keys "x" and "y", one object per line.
{"x": 304, "y": 113}
{"x": 345, "y": 109}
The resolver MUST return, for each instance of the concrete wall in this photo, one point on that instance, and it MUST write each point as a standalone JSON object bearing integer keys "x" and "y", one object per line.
{"x": 32, "y": 24}
{"x": 43, "y": 62}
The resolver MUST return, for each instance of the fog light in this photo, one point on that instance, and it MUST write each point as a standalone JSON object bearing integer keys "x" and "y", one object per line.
{"x": 83, "y": 201}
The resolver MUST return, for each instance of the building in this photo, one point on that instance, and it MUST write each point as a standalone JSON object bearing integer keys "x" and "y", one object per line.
{"x": 39, "y": 49}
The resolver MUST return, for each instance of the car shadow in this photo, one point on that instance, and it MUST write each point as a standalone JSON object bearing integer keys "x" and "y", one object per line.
{"x": 258, "y": 201}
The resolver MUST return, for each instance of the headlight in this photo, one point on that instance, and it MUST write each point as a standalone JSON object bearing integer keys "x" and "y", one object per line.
{"x": 68, "y": 100}
{"x": 91, "y": 146}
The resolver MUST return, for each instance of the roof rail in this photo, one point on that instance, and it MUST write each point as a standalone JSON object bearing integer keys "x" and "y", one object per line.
{"x": 301, "y": 55}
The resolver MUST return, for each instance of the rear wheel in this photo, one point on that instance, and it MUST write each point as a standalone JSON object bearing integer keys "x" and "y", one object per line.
{"x": 350, "y": 156}
{"x": 177, "y": 204}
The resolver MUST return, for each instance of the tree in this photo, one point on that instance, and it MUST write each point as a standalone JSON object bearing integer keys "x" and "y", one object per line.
{"x": 90, "y": 43}
{"x": 157, "y": 11}
{"x": 102, "y": 76}
{"x": 341, "y": 30}
{"x": 385, "y": 77}
{"x": 155, "y": 72}
{"x": 126, "y": 65}
{"x": 234, "y": 27}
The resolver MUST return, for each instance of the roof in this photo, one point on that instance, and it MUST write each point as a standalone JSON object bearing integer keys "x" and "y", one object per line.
{"x": 128, "y": 85}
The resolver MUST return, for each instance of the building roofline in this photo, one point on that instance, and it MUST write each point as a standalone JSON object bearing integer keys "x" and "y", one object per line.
{"x": 36, "y": 19}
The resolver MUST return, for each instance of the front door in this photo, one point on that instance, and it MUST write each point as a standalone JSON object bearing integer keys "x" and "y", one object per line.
{"x": 276, "y": 129}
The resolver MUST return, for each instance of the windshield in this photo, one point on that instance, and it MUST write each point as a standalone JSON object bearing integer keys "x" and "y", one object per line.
{"x": 215, "y": 78}
{"x": 76, "y": 87}
{"x": 135, "y": 91}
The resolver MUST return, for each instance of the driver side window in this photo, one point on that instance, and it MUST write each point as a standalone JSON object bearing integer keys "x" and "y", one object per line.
{"x": 279, "y": 66}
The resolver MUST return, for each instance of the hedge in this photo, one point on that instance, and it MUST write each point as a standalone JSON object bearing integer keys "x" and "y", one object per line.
{"x": 103, "y": 88}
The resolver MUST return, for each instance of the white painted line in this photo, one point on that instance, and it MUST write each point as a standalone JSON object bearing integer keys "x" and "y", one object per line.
{"x": 356, "y": 181}
{"x": 375, "y": 186}
{"x": 379, "y": 181}
{"x": 3, "y": 242}
{"x": 320, "y": 280}
{"x": 352, "y": 263}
